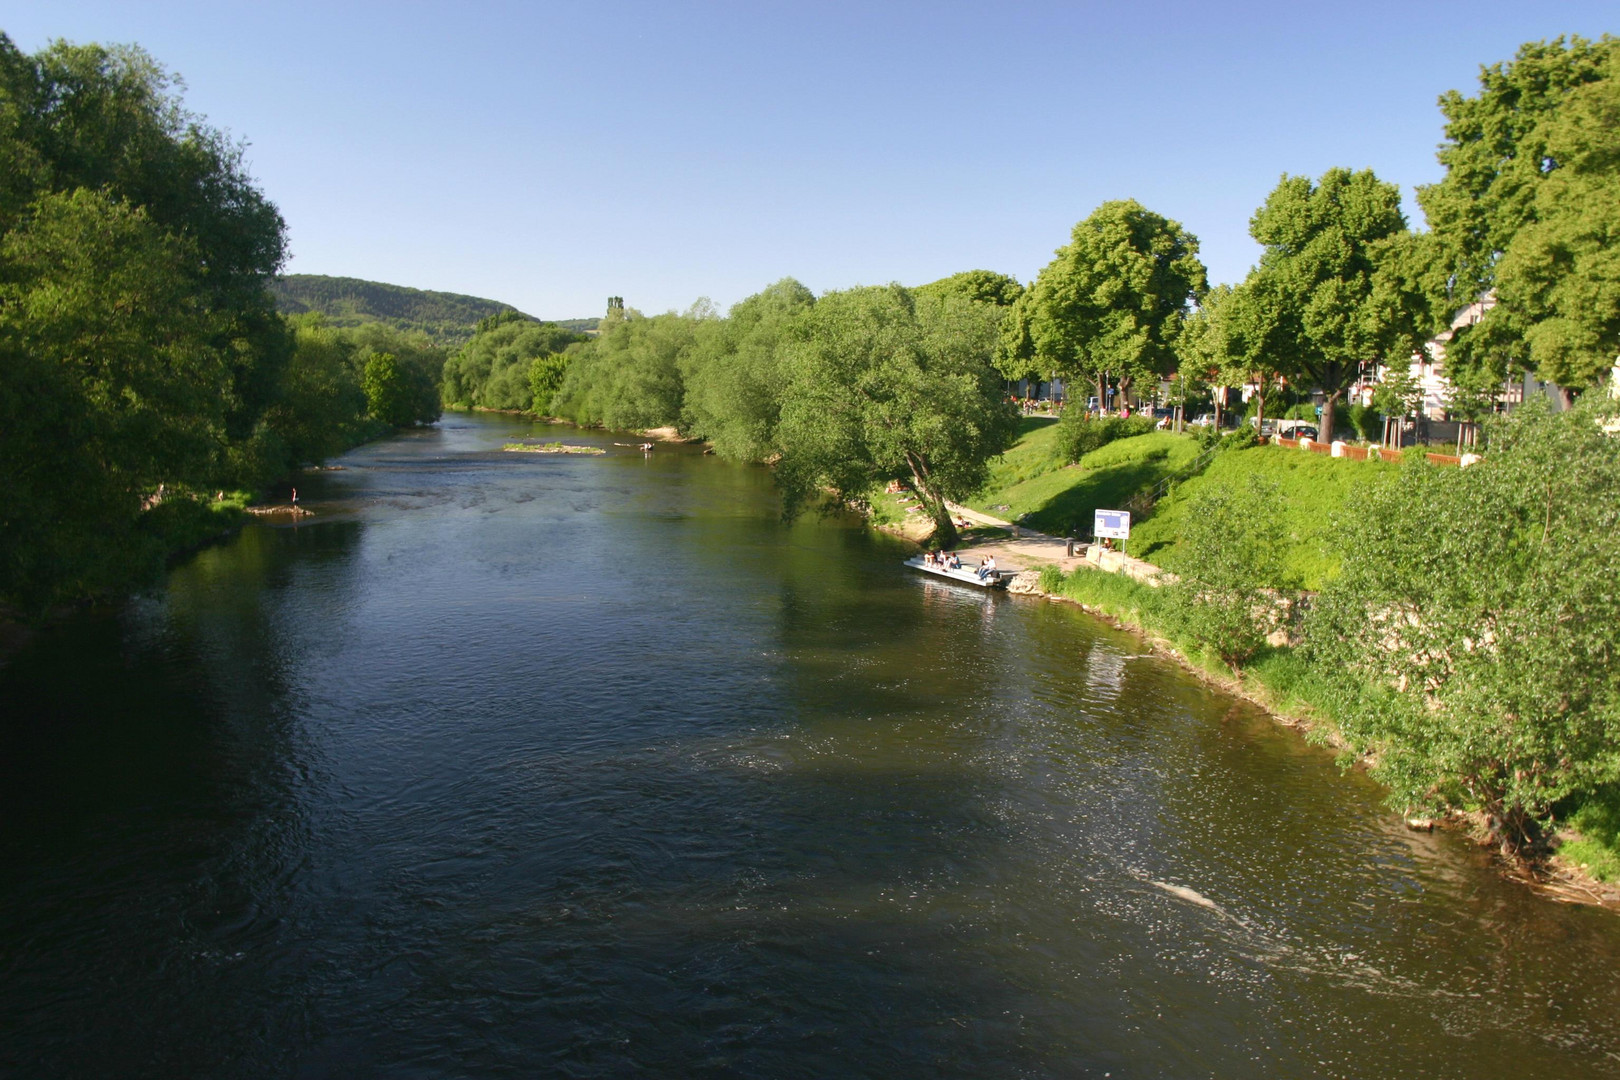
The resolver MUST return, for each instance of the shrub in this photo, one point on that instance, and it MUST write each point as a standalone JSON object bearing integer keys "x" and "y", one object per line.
{"x": 1225, "y": 600}
{"x": 1366, "y": 420}
{"x": 1079, "y": 434}
{"x": 1475, "y": 623}
{"x": 1274, "y": 405}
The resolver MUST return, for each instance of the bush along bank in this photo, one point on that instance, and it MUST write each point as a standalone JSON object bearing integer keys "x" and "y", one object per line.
{"x": 1465, "y": 649}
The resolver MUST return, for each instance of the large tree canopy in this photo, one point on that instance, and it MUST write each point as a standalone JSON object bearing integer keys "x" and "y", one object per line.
{"x": 733, "y": 372}
{"x": 1335, "y": 287}
{"x": 492, "y": 370}
{"x": 137, "y": 344}
{"x": 1527, "y": 208}
{"x": 1111, "y": 301}
{"x": 983, "y": 286}
{"x": 883, "y": 384}
{"x": 630, "y": 375}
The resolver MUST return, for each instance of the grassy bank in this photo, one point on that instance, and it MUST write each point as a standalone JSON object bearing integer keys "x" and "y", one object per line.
{"x": 182, "y": 524}
{"x": 1032, "y": 485}
{"x": 1278, "y": 679}
{"x": 1307, "y": 504}
{"x": 1312, "y": 490}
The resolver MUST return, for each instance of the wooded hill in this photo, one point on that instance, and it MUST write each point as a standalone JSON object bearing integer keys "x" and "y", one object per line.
{"x": 448, "y": 318}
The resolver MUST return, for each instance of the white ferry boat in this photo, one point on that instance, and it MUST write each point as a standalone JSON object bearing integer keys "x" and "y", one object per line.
{"x": 967, "y": 575}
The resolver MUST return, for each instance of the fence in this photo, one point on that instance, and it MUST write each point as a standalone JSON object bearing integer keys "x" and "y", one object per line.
{"x": 1361, "y": 453}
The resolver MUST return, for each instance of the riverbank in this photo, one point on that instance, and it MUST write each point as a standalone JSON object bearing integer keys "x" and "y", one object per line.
{"x": 1280, "y": 682}
{"x": 172, "y": 526}
{"x": 1578, "y": 868}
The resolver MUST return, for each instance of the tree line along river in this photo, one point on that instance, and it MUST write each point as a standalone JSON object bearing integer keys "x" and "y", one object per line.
{"x": 590, "y": 766}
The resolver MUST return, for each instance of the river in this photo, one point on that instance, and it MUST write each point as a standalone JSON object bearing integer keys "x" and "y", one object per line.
{"x": 514, "y": 764}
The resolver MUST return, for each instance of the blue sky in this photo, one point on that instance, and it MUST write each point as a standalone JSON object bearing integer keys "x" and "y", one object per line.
{"x": 552, "y": 155}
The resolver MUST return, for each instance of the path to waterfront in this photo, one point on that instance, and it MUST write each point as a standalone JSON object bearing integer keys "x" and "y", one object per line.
{"x": 1024, "y": 549}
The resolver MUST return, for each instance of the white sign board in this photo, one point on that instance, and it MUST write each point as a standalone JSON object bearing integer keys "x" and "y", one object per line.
{"x": 1115, "y": 524}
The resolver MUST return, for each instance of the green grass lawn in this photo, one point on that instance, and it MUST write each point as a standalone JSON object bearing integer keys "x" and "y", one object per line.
{"x": 1029, "y": 478}
{"x": 1313, "y": 490}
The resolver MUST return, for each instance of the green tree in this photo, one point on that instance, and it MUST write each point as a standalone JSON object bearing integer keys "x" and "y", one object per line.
{"x": 1475, "y": 624}
{"x": 110, "y": 119}
{"x": 981, "y": 286}
{"x": 1398, "y": 392}
{"x": 1558, "y": 281}
{"x": 1226, "y": 597}
{"x": 733, "y": 372}
{"x": 140, "y": 348}
{"x": 545, "y": 377}
{"x": 109, "y": 388}
{"x": 629, "y": 377}
{"x": 492, "y": 370}
{"x": 322, "y": 409}
{"x": 1335, "y": 287}
{"x": 1234, "y": 339}
{"x": 420, "y": 360}
{"x": 1111, "y": 303}
{"x": 1526, "y": 207}
{"x": 882, "y": 384}
{"x": 388, "y": 398}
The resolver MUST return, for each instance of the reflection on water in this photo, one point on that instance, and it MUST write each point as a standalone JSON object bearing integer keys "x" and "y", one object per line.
{"x": 590, "y": 766}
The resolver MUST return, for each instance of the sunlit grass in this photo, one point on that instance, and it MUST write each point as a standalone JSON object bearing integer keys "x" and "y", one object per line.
{"x": 1313, "y": 489}
{"x": 1059, "y": 499}
{"x": 1597, "y": 849}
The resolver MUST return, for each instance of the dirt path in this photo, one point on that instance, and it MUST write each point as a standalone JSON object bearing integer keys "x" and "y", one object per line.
{"x": 1024, "y": 549}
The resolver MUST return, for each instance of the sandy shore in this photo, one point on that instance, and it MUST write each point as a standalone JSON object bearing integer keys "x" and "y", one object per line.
{"x": 1023, "y": 550}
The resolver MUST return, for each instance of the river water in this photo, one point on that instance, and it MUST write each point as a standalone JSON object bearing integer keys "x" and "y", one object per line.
{"x": 588, "y": 766}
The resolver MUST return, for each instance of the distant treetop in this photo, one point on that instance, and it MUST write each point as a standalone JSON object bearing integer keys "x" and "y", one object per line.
{"x": 984, "y": 286}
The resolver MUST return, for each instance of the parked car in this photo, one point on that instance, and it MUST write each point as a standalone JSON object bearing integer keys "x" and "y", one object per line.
{"x": 1204, "y": 420}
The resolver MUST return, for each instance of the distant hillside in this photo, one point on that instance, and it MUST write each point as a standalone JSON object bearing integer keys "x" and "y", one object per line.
{"x": 448, "y": 318}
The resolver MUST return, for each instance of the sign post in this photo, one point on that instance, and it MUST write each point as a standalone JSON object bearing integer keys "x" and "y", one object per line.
{"x": 1112, "y": 524}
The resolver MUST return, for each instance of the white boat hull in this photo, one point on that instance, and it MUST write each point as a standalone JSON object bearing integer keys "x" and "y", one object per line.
{"x": 967, "y": 575}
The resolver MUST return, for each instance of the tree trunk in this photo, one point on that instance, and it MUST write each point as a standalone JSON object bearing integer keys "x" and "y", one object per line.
{"x": 944, "y": 525}
{"x": 1330, "y": 408}
{"x": 1102, "y": 392}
